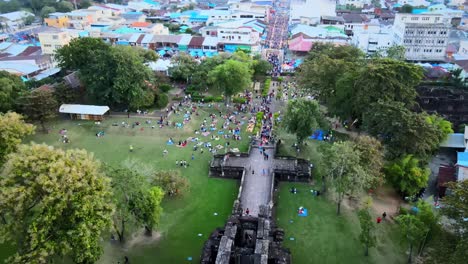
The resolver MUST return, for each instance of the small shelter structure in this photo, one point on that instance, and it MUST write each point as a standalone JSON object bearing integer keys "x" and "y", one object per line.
{"x": 84, "y": 112}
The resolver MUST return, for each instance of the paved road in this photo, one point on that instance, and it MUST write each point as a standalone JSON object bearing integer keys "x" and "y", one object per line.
{"x": 257, "y": 182}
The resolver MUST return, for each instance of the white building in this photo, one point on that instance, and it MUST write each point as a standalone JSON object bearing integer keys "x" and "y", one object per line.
{"x": 414, "y": 2}
{"x": 371, "y": 42}
{"x": 355, "y": 3}
{"x": 14, "y": 19}
{"x": 313, "y": 9}
{"x": 425, "y": 36}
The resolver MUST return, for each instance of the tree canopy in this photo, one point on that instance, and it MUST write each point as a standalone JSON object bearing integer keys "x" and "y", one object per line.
{"x": 11, "y": 88}
{"x": 138, "y": 203}
{"x": 39, "y": 105}
{"x": 12, "y": 131}
{"x": 112, "y": 75}
{"x": 401, "y": 129}
{"x": 55, "y": 203}
{"x": 343, "y": 170}
{"x": 302, "y": 117}
{"x": 231, "y": 77}
{"x": 408, "y": 174}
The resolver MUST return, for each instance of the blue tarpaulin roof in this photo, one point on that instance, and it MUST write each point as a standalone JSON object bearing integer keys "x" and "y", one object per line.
{"x": 462, "y": 159}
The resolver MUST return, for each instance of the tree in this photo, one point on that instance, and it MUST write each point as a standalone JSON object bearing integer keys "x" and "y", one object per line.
{"x": 172, "y": 182}
{"x": 371, "y": 159}
{"x": 430, "y": 220}
{"x": 12, "y": 131}
{"x": 183, "y": 67}
{"x": 81, "y": 52}
{"x": 444, "y": 126}
{"x": 302, "y": 118}
{"x": 199, "y": 77}
{"x": 366, "y": 236}
{"x": 381, "y": 79}
{"x": 64, "y": 94}
{"x": 46, "y": 10}
{"x": 147, "y": 55}
{"x": 28, "y": 20}
{"x": 396, "y": 52}
{"x": 55, "y": 203}
{"x": 457, "y": 78}
{"x": 343, "y": 170}
{"x": 39, "y": 105}
{"x": 407, "y": 9}
{"x": 230, "y": 77}
{"x": 412, "y": 230}
{"x": 261, "y": 68}
{"x": 408, "y": 174}
{"x": 85, "y": 4}
{"x": 112, "y": 75}
{"x": 64, "y": 6}
{"x": 137, "y": 202}
{"x": 456, "y": 207}
{"x": 403, "y": 131}
{"x": 11, "y": 87}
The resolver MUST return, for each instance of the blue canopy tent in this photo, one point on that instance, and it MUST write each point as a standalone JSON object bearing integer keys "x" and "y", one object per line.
{"x": 193, "y": 53}
{"x": 161, "y": 52}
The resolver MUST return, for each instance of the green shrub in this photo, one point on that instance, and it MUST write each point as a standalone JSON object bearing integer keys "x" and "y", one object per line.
{"x": 161, "y": 100}
{"x": 239, "y": 100}
{"x": 165, "y": 87}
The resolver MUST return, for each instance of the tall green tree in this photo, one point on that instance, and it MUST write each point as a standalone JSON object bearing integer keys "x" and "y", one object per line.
{"x": 13, "y": 129}
{"x": 444, "y": 126}
{"x": 11, "y": 87}
{"x": 402, "y": 130}
{"x": 371, "y": 159}
{"x": 260, "y": 67}
{"x": 46, "y": 10}
{"x": 367, "y": 236}
{"x": 408, "y": 174}
{"x": 302, "y": 117}
{"x": 230, "y": 77}
{"x": 138, "y": 204}
{"x": 55, "y": 203}
{"x": 412, "y": 231}
{"x": 64, "y": 6}
{"x": 430, "y": 220}
{"x": 39, "y": 105}
{"x": 183, "y": 67}
{"x": 456, "y": 209}
{"x": 172, "y": 182}
{"x": 112, "y": 75}
{"x": 343, "y": 170}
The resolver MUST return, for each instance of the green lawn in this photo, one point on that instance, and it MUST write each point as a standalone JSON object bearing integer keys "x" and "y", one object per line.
{"x": 324, "y": 237}
{"x": 185, "y": 217}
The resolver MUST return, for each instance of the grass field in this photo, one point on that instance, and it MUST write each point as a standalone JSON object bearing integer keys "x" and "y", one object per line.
{"x": 183, "y": 218}
{"x": 324, "y": 237}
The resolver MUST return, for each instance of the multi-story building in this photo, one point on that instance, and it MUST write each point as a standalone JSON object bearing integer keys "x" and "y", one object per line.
{"x": 355, "y": 3}
{"x": 53, "y": 39}
{"x": 57, "y": 20}
{"x": 371, "y": 42}
{"x": 425, "y": 36}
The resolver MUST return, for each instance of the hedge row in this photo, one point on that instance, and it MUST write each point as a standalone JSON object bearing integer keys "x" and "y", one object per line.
{"x": 266, "y": 87}
{"x": 207, "y": 99}
{"x": 258, "y": 123}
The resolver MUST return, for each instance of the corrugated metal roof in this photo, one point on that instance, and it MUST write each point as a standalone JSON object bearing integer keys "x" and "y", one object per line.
{"x": 5, "y": 45}
{"x": 83, "y": 109}
{"x": 147, "y": 39}
{"x": 210, "y": 41}
{"x": 22, "y": 68}
{"x": 15, "y": 49}
{"x": 196, "y": 41}
{"x": 185, "y": 40}
{"x": 167, "y": 38}
{"x": 134, "y": 37}
{"x": 455, "y": 140}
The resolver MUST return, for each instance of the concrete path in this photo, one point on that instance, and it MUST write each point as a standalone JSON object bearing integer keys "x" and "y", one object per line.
{"x": 256, "y": 189}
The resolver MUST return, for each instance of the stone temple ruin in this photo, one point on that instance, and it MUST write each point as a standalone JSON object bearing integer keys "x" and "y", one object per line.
{"x": 253, "y": 238}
